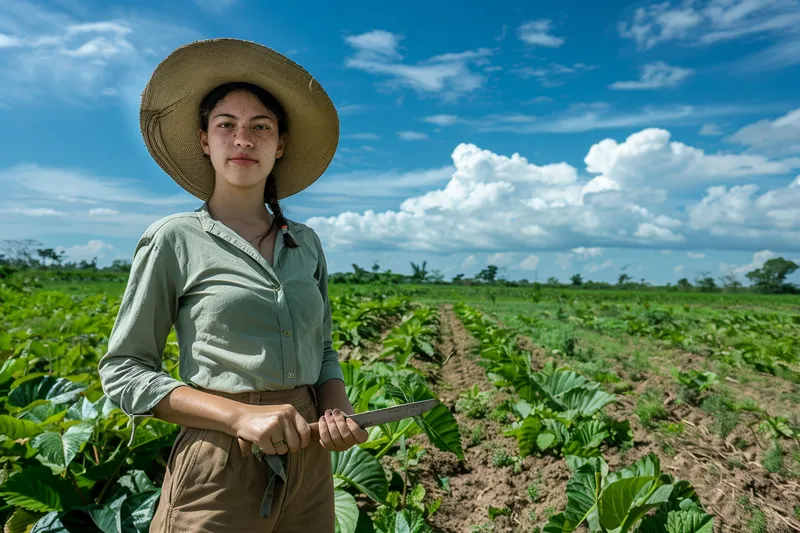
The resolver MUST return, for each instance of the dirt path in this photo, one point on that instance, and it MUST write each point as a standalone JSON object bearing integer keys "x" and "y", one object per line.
{"x": 476, "y": 484}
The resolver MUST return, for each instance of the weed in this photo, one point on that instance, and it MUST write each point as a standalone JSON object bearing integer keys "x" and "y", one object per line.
{"x": 725, "y": 419}
{"x": 735, "y": 463}
{"x": 473, "y": 403}
{"x": 797, "y": 511}
{"x": 758, "y": 521}
{"x": 650, "y": 408}
{"x": 483, "y": 528}
{"x": 476, "y": 436}
{"x": 532, "y": 515}
{"x": 533, "y": 488}
{"x": 773, "y": 459}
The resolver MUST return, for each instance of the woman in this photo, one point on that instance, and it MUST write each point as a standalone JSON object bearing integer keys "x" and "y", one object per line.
{"x": 240, "y": 127}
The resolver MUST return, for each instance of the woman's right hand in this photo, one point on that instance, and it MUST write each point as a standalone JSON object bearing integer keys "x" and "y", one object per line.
{"x": 276, "y": 429}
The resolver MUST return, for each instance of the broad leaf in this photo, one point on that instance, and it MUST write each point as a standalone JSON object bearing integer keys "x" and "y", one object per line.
{"x": 57, "y": 390}
{"x": 57, "y": 451}
{"x": 558, "y": 524}
{"x": 19, "y": 521}
{"x": 590, "y": 434}
{"x": 362, "y": 471}
{"x": 689, "y": 522}
{"x": 528, "y": 434}
{"x": 137, "y": 511}
{"x": 560, "y": 382}
{"x": 15, "y": 428}
{"x": 545, "y": 440}
{"x": 136, "y": 481}
{"x": 617, "y": 498}
{"x": 346, "y": 512}
{"x": 410, "y": 521}
{"x": 442, "y": 429}
{"x": 83, "y": 410}
{"x": 37, "y": 489}
{"x": 583, "y": 493}
{"x": 586, "y": 402}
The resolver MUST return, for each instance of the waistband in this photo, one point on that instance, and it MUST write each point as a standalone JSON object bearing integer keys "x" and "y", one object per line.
{"x": 300, "y": 397}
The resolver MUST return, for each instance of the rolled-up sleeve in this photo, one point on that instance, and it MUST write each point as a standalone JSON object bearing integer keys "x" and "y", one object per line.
{"x": 331, "y": 369}
{"x": 131, "y": 375}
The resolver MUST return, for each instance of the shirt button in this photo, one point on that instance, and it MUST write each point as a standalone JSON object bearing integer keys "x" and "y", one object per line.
{"x": 286, "y": 333}
{"x": 290, "y": 375}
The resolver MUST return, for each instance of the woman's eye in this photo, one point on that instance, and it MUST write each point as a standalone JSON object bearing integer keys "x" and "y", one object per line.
{"x": 224, "y": 124}
{"x": 262, "y": 127}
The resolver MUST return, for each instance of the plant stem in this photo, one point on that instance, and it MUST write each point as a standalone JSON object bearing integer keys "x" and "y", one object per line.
{"x": 391, "y": 443}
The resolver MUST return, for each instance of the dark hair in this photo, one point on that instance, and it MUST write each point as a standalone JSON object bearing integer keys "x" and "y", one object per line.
{"x": 270, "y": 102}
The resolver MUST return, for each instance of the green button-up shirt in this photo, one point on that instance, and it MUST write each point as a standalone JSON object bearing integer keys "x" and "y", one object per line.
{"x": 241, "y": 324}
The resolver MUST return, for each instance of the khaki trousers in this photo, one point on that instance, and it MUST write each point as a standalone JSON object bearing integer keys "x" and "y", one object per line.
{"x": 210, "y": 486}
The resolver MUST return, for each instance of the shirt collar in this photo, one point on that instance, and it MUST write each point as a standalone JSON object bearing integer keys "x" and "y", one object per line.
{"x": 207, "y": 222}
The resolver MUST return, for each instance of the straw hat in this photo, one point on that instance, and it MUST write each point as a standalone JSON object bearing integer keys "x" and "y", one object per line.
{"x": 169, "y": 116}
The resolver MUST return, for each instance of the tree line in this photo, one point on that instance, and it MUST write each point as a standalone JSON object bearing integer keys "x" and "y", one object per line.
{"x": 771, "y": 277}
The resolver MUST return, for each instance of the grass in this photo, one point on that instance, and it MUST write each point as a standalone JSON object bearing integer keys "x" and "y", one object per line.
{"x": 773, "y": 459}
{"x": 649, "y": 408}
{"x": 473, "y": 403}
{"x": 725, "y": 419}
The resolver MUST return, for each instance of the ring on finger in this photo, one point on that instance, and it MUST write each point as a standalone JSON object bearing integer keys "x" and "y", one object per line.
{"x": 279, "y": 443}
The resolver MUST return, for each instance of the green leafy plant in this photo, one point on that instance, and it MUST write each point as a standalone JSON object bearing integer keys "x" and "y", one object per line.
{"x": 639, "y": 499}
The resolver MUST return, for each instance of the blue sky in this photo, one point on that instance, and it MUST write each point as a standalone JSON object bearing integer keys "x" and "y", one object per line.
{"x": 663, "y": 138}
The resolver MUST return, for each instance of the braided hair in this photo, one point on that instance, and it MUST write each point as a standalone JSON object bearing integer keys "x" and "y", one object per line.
{"x": 271, "y": 187}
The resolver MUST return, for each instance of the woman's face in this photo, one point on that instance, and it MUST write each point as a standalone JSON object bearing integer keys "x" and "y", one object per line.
{"x": 242, "y": 141}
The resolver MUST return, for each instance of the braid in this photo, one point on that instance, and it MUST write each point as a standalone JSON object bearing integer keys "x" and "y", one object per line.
{"x": 271, "y": 199}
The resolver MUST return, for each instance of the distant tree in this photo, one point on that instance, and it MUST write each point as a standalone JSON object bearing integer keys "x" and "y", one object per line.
{"x": 684, "y": 284}
{"x": 122, "y": 265}
{"x": 730, "y": 282}
{"x": 488, "y": 274}
{"x": 624, "y": 278}
{"x": 552, "y": 280}
{"x": 419, "y": 273}
{"x": 436, "y": 276}
{"x": 21, "y": 253}
{"x": 705, "y": 282}
{"x": 375, "y": 266}
{"x": 458, "y": 278}
{"x": 360, "y": 275}
{"x": 576, "y": 280}
{"x": 772, "y": 276}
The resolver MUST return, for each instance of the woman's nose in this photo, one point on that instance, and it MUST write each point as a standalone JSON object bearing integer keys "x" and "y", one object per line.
{"x": 242, "y": 137}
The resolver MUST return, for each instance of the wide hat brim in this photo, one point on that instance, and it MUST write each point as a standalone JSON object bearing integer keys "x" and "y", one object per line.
{"x": 169, "y": 116}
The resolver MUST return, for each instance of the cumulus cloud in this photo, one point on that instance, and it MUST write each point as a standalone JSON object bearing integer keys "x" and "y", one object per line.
{"x": 656, "y": 75}
{"x": 496, "y": 203}
{"x": 86, "y": 252}
{"x": 449, "y": 75}
{"x": 530, "y": 262}
{"x": 443, "y": 120}
{"x": 678, "y": 268}
{"x": 586, "y": 253}
{"x": 740, "y": 211}
{"x": 696, "y": 255}
{"x": 772, "y": 137}
{"x": 759, "y": 258}
{"x": 596, "y": 267}
{"x": 537, "y": 33}
{"x": 469, "y": 262}
{"x": 500, "y": 259}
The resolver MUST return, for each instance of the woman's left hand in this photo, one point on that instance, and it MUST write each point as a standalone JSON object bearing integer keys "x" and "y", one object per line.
{"x": 337, "y": 433}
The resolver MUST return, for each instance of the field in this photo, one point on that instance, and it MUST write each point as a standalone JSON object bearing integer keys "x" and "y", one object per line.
{"x": 560, "y": 410}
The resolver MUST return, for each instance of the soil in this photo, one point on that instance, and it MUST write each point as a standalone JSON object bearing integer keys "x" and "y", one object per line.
{"x": 721, "y": 472}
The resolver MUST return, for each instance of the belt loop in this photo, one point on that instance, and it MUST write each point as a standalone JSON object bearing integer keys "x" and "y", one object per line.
{"x": 254, "y": 397}
{"x": 313, "y": 392}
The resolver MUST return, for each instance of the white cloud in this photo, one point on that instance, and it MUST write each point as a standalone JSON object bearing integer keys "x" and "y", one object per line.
{"x": 412, "y": 136}
{"x": 564, "y": 261}
{"x": 586, "y": 253}
{"x": 363, "y": 136}
{"x": 696, "y": 255}
{"x": 33, "y": 212}
{"x": 537, "y": 32}
{"x": 773, "y": 137}
{"x": 449, "y": 75}
{"x": 443, "y": 120}
{"x": 596, "y": 267}
{"x": 580, "y": 119}
{"x": 500, "y": 259}
{"x": 739, "y": 212}
{"x": 102, "y": 211}
{"x": 551, "y": 76}
{"x": 542, "y": 100}
{"x": 759, "y": 258}
{"x": 628, "y": 202}
{"x": 86, "y": 252}
{"x": 678, "y": 268}
{"x": 709, "y": 21}
{"x": 51, "y": 54}
{"x": 530, "y": 262}
{"x": 469, "y": 262}
{"x": 656, "y": 75}
{"x": 710, "y": 130}
{"x": 651, "y": 153}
